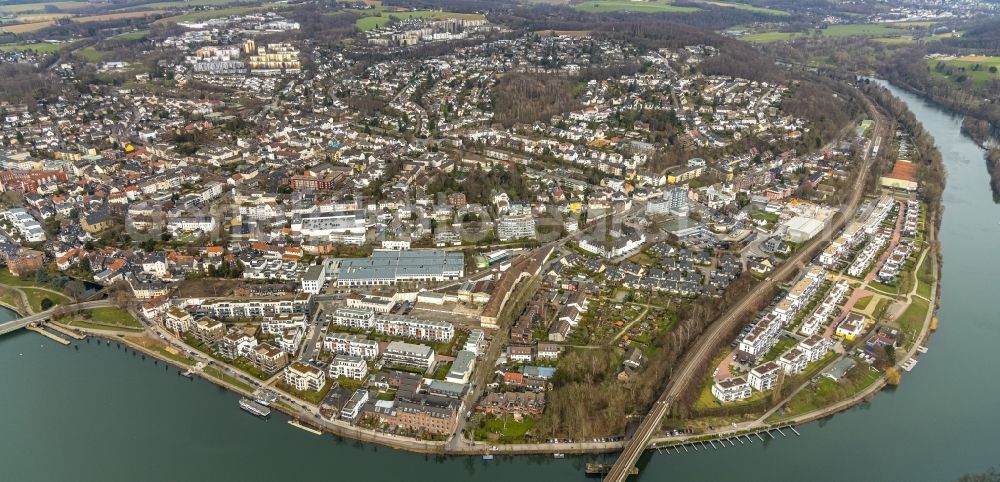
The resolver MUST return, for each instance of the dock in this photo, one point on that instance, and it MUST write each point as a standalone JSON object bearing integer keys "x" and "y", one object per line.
{"x": 65, "y": 331}
{"x": 909, "y": 364}
{"x": 594, "y": 468}
{"x": 48, "y": 334}
{"x": 297, "y": 424}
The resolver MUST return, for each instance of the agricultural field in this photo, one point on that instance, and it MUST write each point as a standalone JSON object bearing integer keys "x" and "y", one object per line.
{"x": 880, "y": 31}
{"x": 978, "y": 69}
{"x": 207, "y": 14}
{"x": 42, "y": 48}
{"x": 26, "y": 27}
{"x": 747, "y": 7}
{"x": 116, "y": 16}
{"x": 191, "y": 3}
{"x": 40, "y": 7}
{"x": 651, "y": 6}
{"x": 373, "y": 22}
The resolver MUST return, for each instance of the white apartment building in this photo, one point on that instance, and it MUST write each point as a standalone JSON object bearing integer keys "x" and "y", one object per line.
{"x": 731, "y": 389}
{"x": 354, "y": 345}
{"x": 764, "y": 377}
{"x": 304, "y": 377}
{"x": 348, "y": 366}
{"x": 409, "y": 354}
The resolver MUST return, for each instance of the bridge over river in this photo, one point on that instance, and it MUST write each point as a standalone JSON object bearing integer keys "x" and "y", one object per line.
{"x": 13, "y": 325}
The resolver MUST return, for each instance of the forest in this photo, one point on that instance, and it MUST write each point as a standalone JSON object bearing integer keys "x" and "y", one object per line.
{"x": 524, "y": 98}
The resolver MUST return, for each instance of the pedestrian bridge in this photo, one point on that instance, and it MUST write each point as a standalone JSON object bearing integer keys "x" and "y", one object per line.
{"x": 13, "y": 325}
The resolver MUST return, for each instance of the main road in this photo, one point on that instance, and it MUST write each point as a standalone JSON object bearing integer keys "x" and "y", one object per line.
{"x": 689, "y": 369}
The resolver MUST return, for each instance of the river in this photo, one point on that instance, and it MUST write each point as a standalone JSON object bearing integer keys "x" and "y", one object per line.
{"x": 101, "y": 413}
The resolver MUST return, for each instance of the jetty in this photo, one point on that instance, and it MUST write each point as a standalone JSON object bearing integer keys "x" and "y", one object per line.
{"x": 66, "y": 331}
{"x": 297, "y": 424}
{"x": 48, "y": 334}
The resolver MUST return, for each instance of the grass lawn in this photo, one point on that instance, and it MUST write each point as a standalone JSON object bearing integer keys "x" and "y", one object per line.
{"x": 912, "y": 319}
{"x": 708, "y": 401}
{"x": 783, "y": 345}
{"x": 220, "y": 375}
{"x": 765, "y": 216}
{"x": 956, "y": 68}
{"x": 111, "y": 317}
{"x": 747, "y": 7}
{"x": 307, "y": 395}
{"x": 137, "y": 35}
{"x": 10, "y": 280}
{"x": 90, "y": 54}
{"x": 506, "y": 428}
{"x": 35, "y": 297}
{"x": 373, "y": 22}
{"x": 10, "y": 297}
{"x": 925, "y": 277}
{"x": 863, "y": 302}
{"x": 651, "y": 6}
{"x": 97, "y": 326}
{"x": 826, "y": 391}
{"x": 159, "y": 347}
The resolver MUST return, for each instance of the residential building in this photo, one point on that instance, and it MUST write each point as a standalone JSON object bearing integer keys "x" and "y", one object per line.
{"x": 731, "y": 389}
{"x": 348, "y": 366}
{"x": 303, "y": 377}
{"x": 409, "y": 355}
{"x": 764, "y": 377}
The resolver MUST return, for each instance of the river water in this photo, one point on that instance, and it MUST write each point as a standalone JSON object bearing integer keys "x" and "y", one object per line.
{"x": 101, "y": 413}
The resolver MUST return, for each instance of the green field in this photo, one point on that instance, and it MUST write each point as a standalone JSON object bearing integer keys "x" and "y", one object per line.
{"x": 650, "y": 6}
{"x": 373, "y": 22}
{"x": 912, "y": 319}
{"x": 42, "y": 48}
{"x": 747, "y": 7}
{"x": 137, "y": 35}
{"x": 826, "y": 391}
{"x": 506, "y": 428}
{"x": 863, "y": 303}
{"x": 833, "y": 31}
{"x": 40, "y": 7}
{"x": 35, "y": 297}
{"x": 965, "y": 69}
{"x": 191, "y": 3}
{"x": 113, "y": 317}
{"x": 90, "y": 54}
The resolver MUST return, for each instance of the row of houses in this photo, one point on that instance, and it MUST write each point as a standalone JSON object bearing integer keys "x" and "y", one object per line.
{"x": 393, "y": 325}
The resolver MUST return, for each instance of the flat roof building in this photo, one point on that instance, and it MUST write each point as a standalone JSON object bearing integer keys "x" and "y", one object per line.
{"x": 391, "y": 267}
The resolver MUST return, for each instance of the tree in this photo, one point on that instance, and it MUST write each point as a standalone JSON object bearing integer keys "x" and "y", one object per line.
{"x": 892, "y": 376}
{"x": 75, "y": 290}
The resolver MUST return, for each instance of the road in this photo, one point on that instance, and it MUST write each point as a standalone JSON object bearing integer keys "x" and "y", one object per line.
{"x": 689, "y": 368}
